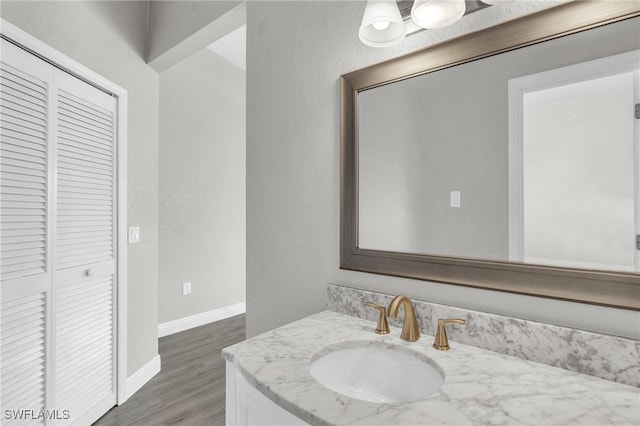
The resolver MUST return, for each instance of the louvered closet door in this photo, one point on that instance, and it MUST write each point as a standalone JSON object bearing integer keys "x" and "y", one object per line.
{"x": 25, "y": 232}
{"x": 57, "y": 244}
{"x": 84, "y": 256}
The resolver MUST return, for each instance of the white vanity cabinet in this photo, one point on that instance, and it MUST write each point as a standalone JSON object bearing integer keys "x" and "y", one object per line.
{"x": 246, "y": 406}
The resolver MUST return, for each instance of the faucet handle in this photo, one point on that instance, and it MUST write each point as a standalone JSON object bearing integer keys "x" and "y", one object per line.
{"x": 383, "y": 325}
{"x": 441, "y": 342}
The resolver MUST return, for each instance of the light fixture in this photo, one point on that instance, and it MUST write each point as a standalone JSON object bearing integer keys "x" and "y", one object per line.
{"x": 437, "y": 13}
{"x": 388, "y": 22}
{"x": 382, "y": 24}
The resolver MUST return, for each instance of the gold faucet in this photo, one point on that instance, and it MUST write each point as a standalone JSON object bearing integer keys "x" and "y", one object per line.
{"x": 441, "y": 342}
{"x": 383, "y": 325}
{"x": 410, "y": 330}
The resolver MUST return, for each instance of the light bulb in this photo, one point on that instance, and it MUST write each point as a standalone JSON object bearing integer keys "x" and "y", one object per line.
{"x": 381, "y": 25}
{"x": 437, "y": 13}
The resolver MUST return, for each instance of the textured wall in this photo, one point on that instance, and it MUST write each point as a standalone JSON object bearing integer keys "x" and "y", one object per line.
{"x": 296, "y": 52}
{"x": 109, "y": 38}
{"x": 202, "y": 186}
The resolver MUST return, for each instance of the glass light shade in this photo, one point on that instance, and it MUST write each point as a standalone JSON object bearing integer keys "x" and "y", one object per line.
{"x": 494, "y": 1}
{"x": 437, "y": 13}
{"x": 382, "y": 24}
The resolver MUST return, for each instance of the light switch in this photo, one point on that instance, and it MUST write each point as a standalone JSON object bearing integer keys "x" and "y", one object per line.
{"x": 134, "y": 234}
{"x": 455, "y": 198}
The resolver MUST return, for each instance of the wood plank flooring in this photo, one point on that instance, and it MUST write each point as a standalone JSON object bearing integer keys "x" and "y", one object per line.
{"x": 190, "y": 388}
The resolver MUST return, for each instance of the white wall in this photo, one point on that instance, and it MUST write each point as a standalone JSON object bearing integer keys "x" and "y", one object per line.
{"x": 202, "y": 186}
{"x": 296, "y": 52}
{"x": 109, "y": 38}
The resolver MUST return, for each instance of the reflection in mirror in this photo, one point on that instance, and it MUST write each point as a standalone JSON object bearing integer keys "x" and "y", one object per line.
{"x": 573, "y": 201}
{"x": 451, "y": 163}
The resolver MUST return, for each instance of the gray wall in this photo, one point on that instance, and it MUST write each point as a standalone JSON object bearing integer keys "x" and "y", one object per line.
{"x": 413, "y": 152}
{"x": 296, "y": 52}
{"x": 109, "y": 38}
{"x": 202, "y": 186}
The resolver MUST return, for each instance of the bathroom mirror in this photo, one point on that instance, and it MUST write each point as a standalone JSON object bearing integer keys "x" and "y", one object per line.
{"x": 435, "y": 170}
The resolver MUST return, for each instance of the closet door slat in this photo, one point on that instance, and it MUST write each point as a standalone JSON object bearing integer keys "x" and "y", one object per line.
{"x": 86, "y": 145}
{"x": 85, "y": 312}
{"x": 22, "y": 326}
{"x": 11, "y": 77}
{"x": 70, "y": 107}
{"x": 86, "y": 182}
{"x": 82, "y": 163}
{"x": 90, "y": 157}
{"x": 23, "y": 171}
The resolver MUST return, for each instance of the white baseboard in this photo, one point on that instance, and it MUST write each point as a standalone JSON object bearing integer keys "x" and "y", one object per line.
{"x": 142, "y": 376}
{"x": 203, "y": 318}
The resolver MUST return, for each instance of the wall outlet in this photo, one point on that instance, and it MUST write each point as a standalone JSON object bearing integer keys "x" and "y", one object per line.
{"x": 134, "y": 234}
{"x": 186, "y": 288}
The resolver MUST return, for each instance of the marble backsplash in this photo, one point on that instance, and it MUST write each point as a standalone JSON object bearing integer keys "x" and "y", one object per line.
{"x": 608, "y": 357}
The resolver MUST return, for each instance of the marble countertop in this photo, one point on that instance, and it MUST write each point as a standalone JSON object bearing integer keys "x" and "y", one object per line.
{"x": 480, "y": 387}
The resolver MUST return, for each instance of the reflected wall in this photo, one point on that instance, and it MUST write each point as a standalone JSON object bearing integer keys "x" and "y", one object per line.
{"x": 422, "y": 138}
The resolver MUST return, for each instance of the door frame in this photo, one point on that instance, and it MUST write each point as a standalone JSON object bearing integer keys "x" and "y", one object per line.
{"x": 64, "y": 62}
{"x": 518, "y": 87}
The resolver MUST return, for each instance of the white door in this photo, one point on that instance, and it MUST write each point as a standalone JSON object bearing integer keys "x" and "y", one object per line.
{"x": 25, "y": 231}
{"x": 84, "y": 229}
{"x": 64, "y": 210}
{"x": 578, "y": 174}
{"x": 574, "y": 166}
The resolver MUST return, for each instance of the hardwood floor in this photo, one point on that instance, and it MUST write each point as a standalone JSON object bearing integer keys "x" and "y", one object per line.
{"x": 190, "y": 388}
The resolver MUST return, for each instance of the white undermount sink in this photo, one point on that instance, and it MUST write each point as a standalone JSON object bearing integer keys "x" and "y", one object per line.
{"x": 377, "y": 374}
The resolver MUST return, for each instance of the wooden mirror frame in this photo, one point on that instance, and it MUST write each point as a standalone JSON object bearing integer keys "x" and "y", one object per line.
{"x": 619, "y": 290}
